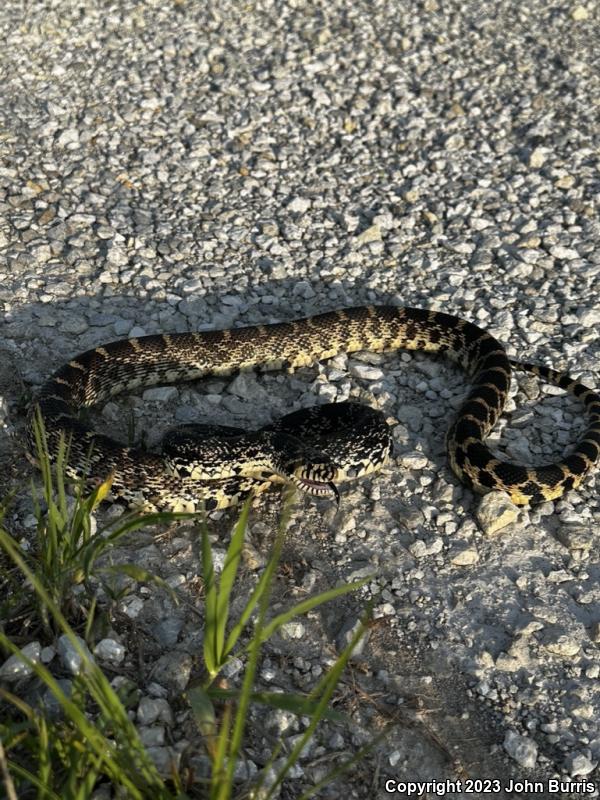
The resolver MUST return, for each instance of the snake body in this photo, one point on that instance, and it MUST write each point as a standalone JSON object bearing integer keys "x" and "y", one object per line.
{"x": 349, "y": 439}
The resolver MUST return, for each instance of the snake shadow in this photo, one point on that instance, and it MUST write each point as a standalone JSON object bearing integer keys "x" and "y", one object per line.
{"x": 38, "y": 337}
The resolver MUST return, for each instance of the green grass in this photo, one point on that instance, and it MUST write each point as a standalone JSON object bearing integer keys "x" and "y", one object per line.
{"x": 66, "y": 552}
{"x": 92, "y": 740}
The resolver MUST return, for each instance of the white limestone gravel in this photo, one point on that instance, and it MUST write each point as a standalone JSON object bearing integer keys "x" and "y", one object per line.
{"x": 14, "y": 668}
{"x": 70, "y": 657}
{"x": 170, "y": 166}
{"x": 521, "y": 748}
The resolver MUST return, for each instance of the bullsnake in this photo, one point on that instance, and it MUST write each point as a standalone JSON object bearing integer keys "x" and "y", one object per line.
{"x": 349, "y": 441}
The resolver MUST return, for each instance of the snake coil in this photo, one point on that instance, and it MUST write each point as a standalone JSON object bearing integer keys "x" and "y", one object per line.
{"x": 348, "y": 442}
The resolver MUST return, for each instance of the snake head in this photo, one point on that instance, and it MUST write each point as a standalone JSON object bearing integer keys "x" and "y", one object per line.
{"x": 305, "y": 466}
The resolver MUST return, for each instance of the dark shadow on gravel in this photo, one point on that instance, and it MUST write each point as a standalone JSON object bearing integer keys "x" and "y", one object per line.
{"x": 449, "y": 734}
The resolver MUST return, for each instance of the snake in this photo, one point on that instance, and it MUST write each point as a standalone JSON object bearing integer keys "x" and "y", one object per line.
{"x": 316, "y": 449}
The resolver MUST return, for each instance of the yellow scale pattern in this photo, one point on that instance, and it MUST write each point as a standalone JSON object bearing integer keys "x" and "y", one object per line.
{"x": 141, "y": 479}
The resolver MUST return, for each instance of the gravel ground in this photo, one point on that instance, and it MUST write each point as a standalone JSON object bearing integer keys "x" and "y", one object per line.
{"x": 179, "y": 165}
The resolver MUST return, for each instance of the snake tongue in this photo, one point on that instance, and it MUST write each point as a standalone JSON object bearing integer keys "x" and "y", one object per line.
{"x": 334, "y": 490}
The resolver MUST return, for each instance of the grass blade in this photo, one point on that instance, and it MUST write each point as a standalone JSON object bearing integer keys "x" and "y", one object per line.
{"x": 346, "y": 765}
{"x": 93, "y": 737}
{"x": 128, "y": 756}
{"x": 328, "y": 685}
{"x": 245, "y": 694}
{"x": 7, "y": 780}
{"x": 267, "y": 577}
{"x": 89, "y": 551}
{"x": 204, "y": 715}
{"x": 236, "y": 630}
{"x": 230, "y": 567}
{"x": 219, "y": 787}
{"x": 211, "y": 659}
{"x": 44, "y": 761}
{"x": 299, "y": 704}
{"x": 139, "y": 574}
{"x": 308, "y": 604}
{"x": 44, "y": 791}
